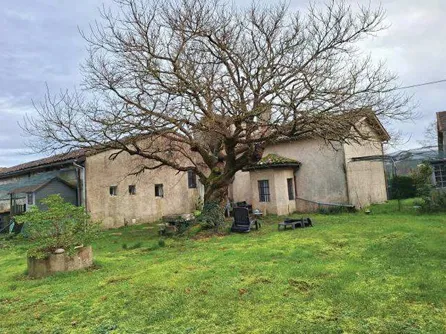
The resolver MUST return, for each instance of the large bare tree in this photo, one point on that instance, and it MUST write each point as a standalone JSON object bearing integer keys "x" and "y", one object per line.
{"x": 206, "y": 85}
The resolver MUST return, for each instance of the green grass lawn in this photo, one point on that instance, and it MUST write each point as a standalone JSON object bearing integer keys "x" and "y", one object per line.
{"x": 353, "y": 273}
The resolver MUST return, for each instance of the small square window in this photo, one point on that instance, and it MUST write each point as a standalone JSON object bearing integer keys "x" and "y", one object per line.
{"x": 191, "y": 179}
{"x": 290, "y": 189}
{"x": 132, "y": 189}
{"x": 264, "y": 195}
{"x": 30, "y": 198}
{"x": 440, "y": 175}
{"x": 159, "y": 192}
{"x": 113, "y": 190}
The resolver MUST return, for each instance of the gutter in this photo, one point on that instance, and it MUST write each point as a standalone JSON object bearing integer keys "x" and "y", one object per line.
{"x": 293, "y": 165}
{"x": 31, "y": 169}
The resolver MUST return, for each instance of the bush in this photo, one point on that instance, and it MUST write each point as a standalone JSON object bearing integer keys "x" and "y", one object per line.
{"x": 435, "y": 202}
{"x": 59, "y": 225}
{"x": 212, "y": 216}
{"x": 184, "y": 225}
{"x": 402, "y": 187}
{"x": 333, "y": 210}
{"x": 422, "y": 178}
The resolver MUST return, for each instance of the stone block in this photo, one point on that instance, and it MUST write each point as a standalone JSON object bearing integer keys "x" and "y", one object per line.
{"x": 83, "y": 258}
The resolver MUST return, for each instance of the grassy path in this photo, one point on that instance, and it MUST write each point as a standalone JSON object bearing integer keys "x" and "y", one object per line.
{"x": 383, "y": 273}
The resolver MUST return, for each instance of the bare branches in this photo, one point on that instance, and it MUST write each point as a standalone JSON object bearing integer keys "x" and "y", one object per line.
{"x": 213, "y": 84}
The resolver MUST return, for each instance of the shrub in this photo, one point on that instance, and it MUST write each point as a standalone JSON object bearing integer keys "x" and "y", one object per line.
{"x": 330, "y": 210}
{"x": 402, "y": 187}
{"x": 184, "y": 225}
{"x": 58, "y": 225}
{"x": 435, "y": 202}
{"x": 422, "y": 178}
{"x": 199, "y": 204}
{"x": 212, "y": 216}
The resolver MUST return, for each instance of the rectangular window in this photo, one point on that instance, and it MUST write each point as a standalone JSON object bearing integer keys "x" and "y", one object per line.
{"x": 132, "y": 189}
{"x": 440, "y": 175}
{"x": 191, "y": 179}
{"x": 29, "y": 198}
{"x": 264, "y": 195}
{"x": 159, "y": 192}
{"x": 113, "y": 190}
{"x": 290, "y": 189}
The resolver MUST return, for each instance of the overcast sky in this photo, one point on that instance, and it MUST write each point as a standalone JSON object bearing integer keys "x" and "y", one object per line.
{"x": 40, "y": 43}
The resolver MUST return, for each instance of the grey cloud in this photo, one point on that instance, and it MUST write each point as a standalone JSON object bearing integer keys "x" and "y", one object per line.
{"x": 40, "y": 43}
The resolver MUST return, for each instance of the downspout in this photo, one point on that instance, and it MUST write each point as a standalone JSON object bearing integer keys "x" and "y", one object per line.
{"x": 295, "y": 184}
{"x": 385, "y": 174}
{"x": 345, "y": 170}
{"x": 82, "y": 168}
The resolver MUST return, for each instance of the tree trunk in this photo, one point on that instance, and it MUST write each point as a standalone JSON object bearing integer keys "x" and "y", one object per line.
{"x": 216, "y": 188}
{"x": 213, "y": 193}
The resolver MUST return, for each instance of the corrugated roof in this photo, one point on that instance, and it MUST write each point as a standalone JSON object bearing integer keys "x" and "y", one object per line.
{"x": 37, "y": 186}
{"x": 73, "y": 155}
{"x": 441, "y": 121}
{"x": 36, "y": 179}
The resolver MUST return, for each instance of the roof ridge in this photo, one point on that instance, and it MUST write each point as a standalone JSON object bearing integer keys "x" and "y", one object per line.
{"x": 274, "y": 160}
{"x": 61, "y": 157}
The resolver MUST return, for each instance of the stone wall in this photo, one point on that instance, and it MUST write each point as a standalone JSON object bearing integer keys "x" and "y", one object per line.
{"x": 143, "y": 206}
{"x": 366, "y": 179}
{"x": 279, "y": 202}
{"x": 240, "y": 189}
{"x": 321, "y": 177}
{"x": 60, "y": 262}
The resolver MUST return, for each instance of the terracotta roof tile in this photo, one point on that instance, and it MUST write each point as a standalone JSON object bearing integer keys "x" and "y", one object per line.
{"x": 273, "y": 161}
{"x": 77, "y": 154}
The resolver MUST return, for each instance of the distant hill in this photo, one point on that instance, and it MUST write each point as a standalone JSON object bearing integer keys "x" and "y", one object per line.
{"x": 408, "y": 160}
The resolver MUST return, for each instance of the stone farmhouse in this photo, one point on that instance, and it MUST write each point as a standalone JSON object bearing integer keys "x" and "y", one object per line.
{"x": 295, "y": 175}
{"x": 314, "y": 174}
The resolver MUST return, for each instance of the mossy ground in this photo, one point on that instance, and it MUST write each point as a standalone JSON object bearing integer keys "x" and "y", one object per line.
{"x": 354, "y": 273}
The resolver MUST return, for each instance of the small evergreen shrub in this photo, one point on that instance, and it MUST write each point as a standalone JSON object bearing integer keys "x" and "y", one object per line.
{"x": 422, "y": 178}
{"x": 212, "y": 216}
{"x": 59, "y": 225}
{"x": 183, "y": 226}
{"x": 402, "y": 187}
{"x": 435, "y": 202}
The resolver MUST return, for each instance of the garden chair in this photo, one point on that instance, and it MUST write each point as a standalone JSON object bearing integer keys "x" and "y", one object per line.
{"x": 242, "y": 221}
{"x": 244, "y": 204}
